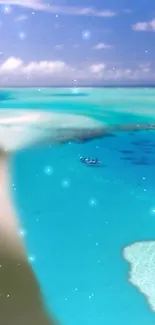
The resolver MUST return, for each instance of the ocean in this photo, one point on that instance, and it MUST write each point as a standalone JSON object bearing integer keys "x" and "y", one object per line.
{"x": 76, "y": 219}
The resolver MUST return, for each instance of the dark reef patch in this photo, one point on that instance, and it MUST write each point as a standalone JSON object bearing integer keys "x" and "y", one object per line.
{"x": 125, "y": 151}
{"x": 68, "y": 95}
{"x": 142, "y": 163}
{"x": 148, "y": 151}
{"x": 5, "y": 95}
{"x": 142, "y": 143}
{"x": 138, "y": 150}
{"x": 127, "y": 158}
{"x": 110, "y": 135}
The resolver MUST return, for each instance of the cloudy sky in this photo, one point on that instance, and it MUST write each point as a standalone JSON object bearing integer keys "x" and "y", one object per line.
{"x": 64, "y": 42}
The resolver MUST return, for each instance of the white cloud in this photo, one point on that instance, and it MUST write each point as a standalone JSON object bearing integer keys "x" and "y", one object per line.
{"x": 32, "y": 4}
{"x": 59, "y": 46}
{"x": 97, "y": 68}
{"x": 14, "y": 65}
{"x": 21, "y": 18}
{"x": 68, "y": 10}
{"x": 105, "y": 13}
{"x": 102, "y": 46}
{"x": 11, "y": 64}
{"x": 14, "y": 71}
{"x": 144, "y": 26}
{"x": 139, "y": 74}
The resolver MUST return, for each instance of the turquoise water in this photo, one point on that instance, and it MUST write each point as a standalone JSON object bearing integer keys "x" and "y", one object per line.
{"x": 78, "y": 219}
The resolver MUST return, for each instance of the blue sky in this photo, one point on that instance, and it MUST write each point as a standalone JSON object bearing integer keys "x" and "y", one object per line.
{"x": 80, "y": 42}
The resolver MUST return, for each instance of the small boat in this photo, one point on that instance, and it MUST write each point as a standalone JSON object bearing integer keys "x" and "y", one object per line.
{"x": 90, "y": 162}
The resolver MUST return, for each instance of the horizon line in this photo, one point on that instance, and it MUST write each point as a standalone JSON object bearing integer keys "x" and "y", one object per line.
{"x": 80, "y": 86}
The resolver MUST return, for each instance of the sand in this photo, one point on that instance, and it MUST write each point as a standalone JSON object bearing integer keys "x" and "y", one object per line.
{"x": 141, "y": 259}
{"x": 21, "y": 300}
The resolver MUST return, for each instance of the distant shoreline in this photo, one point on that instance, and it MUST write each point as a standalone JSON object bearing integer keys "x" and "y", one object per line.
{"x": 78, "y": 86}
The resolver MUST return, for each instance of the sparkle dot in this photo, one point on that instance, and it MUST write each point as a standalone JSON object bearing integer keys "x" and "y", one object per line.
{"x": 97, "y": 244}
{"x": 144, "y": 189}
{"x": 22, "y": 35}
{"x": 152, "y": 210}
{"x": 65, "y": 183}
{"x": 56, "y": 16}
{"x": 7, "y": 9}
{"x": 92, "y": 202}
{"x": 74, "y": 91}
{"x": 22, "y": 232}
{"x": 8, "y": 296}
{"x": 48, "y": 170}
{"x": 76, "y": 289}
{"x": 144, "y": 177}
{"x": 32, "y": 258}
{"x": 86, "y": 34}
{"x": 91, "y": 296}
{"x": 66, "y": 299}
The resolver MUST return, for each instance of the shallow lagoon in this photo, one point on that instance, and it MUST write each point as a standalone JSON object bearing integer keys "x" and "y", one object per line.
{"x": 75, "y": 219}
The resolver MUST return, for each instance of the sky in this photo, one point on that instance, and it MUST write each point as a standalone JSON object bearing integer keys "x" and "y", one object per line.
{"x": 80, "y": 42}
